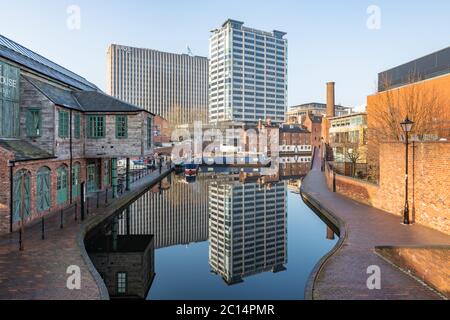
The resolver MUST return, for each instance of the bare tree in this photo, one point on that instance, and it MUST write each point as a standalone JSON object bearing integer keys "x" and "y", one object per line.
{"x": 353, "y": 153}
{"x": 419, "y": 103}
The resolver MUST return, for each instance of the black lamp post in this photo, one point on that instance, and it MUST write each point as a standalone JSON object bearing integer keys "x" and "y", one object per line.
{"x": 406, "y": 126}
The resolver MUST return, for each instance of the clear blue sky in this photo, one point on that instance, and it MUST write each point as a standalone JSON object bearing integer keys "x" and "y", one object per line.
{"x": 328, "y": 40}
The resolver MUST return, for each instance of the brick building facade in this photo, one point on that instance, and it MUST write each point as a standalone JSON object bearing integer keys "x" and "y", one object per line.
{"x": 420, "y": 90}
{"x": 428, "y": 188}
{"x": 294, "y": 139}
{"x": 313, "y": 123}
{"x": 57, "y": 131}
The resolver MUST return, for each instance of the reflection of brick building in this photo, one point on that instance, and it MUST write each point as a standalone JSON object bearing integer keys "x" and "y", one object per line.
{"x": 126, "y": 263}
{"x": 161, "y": 131}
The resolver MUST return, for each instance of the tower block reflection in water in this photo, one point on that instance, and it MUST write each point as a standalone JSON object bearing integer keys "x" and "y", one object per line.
{"x": 247, "y": 228}
{"x": 175, "y": 215}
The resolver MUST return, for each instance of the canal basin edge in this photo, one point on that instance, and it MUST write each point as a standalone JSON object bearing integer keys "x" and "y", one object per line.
{"x": 98, "y": 218}
{"x": 336, "y": 224}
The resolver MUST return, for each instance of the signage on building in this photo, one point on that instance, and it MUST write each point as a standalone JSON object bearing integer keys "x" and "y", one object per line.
{"x": 9, "y": 101}
{"x": 9, "y": 82}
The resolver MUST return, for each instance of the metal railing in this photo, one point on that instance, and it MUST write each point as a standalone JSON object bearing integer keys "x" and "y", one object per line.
{"x": 59, "y": 219}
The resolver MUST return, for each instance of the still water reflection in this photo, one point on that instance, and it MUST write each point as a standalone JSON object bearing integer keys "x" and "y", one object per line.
{"x": 224, "y": 236}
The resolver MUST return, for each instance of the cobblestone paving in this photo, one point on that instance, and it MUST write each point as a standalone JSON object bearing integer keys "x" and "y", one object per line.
{"x": 344, "y": 274}
{"x": 39, "y": 272}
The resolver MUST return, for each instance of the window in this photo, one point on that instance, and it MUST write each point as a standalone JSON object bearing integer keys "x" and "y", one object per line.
{"x": 96, "y": 127}
{"x": 77, "y": 125}
{"x": 106, "y": 173}
{"x": 33, "y": 122}
{"x": 149, "y": 132}
{"x": 121, "y": 127}
{"x": 121, "y": 283}
{"x": 92, "y": 178}
{"x": 63, "y": 124}
{"x": 43, "y": 201}
{"x": 76, "y": 186}
{"x": 61, "y": 185}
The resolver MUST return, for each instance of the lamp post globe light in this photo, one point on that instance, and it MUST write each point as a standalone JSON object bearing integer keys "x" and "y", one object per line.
{"x": 407, "y": 125}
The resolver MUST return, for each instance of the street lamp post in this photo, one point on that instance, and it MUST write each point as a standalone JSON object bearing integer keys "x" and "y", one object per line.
{"x": 406, "y": 126}
{"x": 350, "y": 152}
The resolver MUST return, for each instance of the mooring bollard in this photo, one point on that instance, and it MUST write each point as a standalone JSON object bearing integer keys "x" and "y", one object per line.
{"x": 20, "y": 239}
{"x": 334, "y": 181}
{"x": 87, "y": 206}
{"x": 42, "y": 229}
{"x": 62, "y": 219}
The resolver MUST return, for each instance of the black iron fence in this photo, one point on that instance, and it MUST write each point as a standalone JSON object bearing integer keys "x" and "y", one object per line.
{"x": 349, "y": 169}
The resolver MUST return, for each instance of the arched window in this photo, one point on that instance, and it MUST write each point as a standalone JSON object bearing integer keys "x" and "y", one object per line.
{"x": 21, "y": 195}
{"x": 76, "y": 183}
{"x": 62, "y": 185}
{"x": 43, "y": 189}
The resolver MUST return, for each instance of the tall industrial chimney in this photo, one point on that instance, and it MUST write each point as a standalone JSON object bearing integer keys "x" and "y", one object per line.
{"x": 330, "y": 100}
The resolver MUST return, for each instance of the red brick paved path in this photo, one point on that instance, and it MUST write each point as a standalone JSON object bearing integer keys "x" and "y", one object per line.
{"x": 343, "y": 275}
{"x": 39, "y": 272}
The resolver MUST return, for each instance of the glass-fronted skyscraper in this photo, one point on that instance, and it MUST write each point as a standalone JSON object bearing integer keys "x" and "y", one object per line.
{"x": 247, "y": 74}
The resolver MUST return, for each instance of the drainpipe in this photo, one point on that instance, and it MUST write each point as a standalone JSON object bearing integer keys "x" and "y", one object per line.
{"x": 71, "y": 157}
{"x": 127, "y": 183}
{"x": 11, "y": 194}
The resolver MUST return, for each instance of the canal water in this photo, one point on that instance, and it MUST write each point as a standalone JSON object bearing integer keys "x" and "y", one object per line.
{"x": 220, "y": 236}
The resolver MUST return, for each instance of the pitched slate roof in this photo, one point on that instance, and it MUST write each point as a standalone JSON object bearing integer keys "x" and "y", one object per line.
{"x": 58, "y": 96}
{"x": 314, "y": 118}
{"x": 29, "y": 59}
{"x": 24, "y": 150}
{"x": 94, "y": 101}
{"x": 293, "y": 128}
{"x": 85, "y": 97}
{"x": 83, "y": 101}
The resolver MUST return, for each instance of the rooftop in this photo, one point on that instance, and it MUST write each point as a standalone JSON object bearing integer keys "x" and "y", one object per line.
{"x": 316, "y": 105}
{"x": 81, "y": 94}
{"x": 426, "y": 67}
{"x": 353, "y": 115}
{"x": 315, "y": 119}
{"x": 130, "y": 49}
{"x": 293, "y": 128}
{"x": 13, "y": 51}
{"x": 23, "y": 150}
{"x": 240, "y": 25}
{"x": 84, "y": 101}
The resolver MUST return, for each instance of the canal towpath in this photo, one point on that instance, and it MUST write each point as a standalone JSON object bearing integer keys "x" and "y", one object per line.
{"x": 343, "y": 274}
{"x": 40, "y": 271}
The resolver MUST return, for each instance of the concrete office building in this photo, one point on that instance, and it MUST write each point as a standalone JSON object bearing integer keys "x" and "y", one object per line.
{"x": 247, "y": 74}
{"x": 173, "y": 86}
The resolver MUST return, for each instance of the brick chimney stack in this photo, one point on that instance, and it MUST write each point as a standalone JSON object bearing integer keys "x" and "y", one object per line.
{"x": 330, "y": 100}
